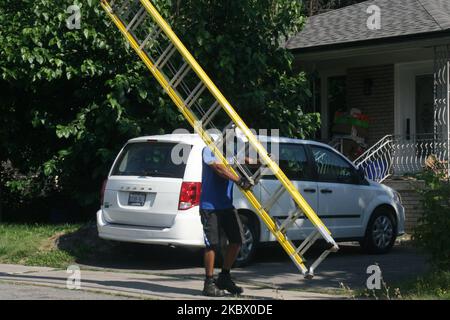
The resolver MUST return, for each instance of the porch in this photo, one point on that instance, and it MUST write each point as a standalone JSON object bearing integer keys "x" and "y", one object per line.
{"x": 397, "y": 77}
{"x": 403, "y": 93}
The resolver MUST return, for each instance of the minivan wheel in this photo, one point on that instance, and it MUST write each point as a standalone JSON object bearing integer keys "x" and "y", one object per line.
{"x": 380, "y": 233}
{"x": 249, "y": 243}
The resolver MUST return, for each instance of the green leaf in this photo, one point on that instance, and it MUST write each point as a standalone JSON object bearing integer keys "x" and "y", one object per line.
{"x": 143, "y": 93}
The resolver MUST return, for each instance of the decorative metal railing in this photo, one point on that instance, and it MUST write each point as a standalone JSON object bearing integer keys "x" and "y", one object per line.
{"x": 377, "y": 160}
{"x": 401, "y": 155}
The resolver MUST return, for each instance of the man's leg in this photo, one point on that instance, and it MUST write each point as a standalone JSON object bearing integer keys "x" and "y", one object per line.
{"x": 231, "y": 223}
{"x": 211, "y": 232}
{"x": 231, "y": 255}
{"x": 210, "y": 256}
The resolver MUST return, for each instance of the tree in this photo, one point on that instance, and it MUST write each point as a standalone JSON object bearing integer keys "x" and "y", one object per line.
{"x": 70, "y": 98}
{"x": 313, "y": 7}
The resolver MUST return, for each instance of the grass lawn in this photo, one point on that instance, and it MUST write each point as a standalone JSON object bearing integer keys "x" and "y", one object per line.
{"x": 435, "y": 285}
{"x": 34, "y": 245}
{"x": 432, "y": 286}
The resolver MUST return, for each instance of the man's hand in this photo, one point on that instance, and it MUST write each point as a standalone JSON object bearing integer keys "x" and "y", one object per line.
{"x": 245, "y": 184}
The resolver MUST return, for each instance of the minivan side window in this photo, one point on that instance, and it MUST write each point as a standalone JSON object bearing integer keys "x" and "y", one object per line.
{"x": 331, "y": 167}
{"x": 293, "y": 161}
{"x": 153, "y": 159}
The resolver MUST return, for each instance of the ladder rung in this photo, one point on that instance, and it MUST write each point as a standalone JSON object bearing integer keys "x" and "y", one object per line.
{"x": 209, "y": 115}
{"x": 290, "y": 220}
{"x": 195, "y": 94}
{"x": 319, "y": 260}
{"x": 278, "y": 193}
{"x": 260, "y": 173}
{"x": 137, "y": 19}
{"x": 308, "y": 242}
{"x": 165, "y": 56}
{"x": 121, "y": 10}
{"x": 244, "y": 150}
{"x": 179, "y": 76}
{"x": 152, "y": 35}
{"x": 224, "y": 138}
{"x": 241, "y": 164}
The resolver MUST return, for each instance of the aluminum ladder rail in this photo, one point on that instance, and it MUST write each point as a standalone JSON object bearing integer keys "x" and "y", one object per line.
{"x": 173, "y": 66}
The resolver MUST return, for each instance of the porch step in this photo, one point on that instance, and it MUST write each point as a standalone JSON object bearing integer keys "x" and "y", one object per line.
{"x": 411, "y": 199}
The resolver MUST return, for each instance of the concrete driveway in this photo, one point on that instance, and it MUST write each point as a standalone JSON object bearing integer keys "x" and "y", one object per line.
{"x": 273, "y": 268}
{"x": 152, "y": 272}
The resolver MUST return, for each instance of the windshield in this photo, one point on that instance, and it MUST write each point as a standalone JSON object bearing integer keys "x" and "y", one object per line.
{"x": 152, "y": 159}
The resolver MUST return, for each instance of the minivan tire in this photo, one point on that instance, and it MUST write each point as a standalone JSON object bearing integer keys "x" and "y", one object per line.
{"x": 380, "y": 233}
{"x": 250, "y": 242}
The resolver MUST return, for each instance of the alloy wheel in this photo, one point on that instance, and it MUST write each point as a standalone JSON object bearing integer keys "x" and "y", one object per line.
{"x": 247, "y": 244}
{"x": 382, "y": 232}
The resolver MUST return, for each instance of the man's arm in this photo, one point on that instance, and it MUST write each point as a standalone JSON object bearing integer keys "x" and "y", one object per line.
{"x": 226, "y": 173}
{"x": 223, "y": 171}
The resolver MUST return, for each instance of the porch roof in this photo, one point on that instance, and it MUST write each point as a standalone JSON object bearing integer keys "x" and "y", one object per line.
{"x": 348, "y": 25}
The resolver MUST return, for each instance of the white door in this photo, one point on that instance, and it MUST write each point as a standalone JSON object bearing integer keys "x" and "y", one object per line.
{"x": 342, "y": 195}
{"x": 293, "y": 161}
{"x": 411, "y": 81}
{"x": 414, "y": 115}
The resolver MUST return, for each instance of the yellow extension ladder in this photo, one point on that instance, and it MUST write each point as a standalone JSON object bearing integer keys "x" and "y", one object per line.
{"x": 186, "y": 82}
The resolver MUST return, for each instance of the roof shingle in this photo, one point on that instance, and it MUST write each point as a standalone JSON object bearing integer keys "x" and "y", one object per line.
{"x": 349, "y": 24}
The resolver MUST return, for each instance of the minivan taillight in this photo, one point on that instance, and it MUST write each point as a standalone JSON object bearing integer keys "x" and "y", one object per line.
{"x": 189, "y": 195}
{"x": 102, "y": 192}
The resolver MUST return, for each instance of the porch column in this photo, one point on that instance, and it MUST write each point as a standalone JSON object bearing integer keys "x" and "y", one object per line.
{"x": 448, "y": 115}
{"x": 442, "y": 99}
{"x": 324, "y": 106}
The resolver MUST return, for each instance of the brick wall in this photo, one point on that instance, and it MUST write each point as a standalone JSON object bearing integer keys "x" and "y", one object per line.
{"x": 410, "y": 200}
{"x": 379, "y": 105}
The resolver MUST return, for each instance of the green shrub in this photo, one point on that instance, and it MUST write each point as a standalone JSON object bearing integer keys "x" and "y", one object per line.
{"x": 70, "y": 98}
{"x": 433, "y": 232}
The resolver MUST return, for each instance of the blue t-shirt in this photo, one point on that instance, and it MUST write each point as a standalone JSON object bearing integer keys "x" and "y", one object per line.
{"x": 217, "y": 192}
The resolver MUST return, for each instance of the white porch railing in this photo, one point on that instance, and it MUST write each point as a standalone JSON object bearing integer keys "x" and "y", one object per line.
{"x": 400, "y": 155}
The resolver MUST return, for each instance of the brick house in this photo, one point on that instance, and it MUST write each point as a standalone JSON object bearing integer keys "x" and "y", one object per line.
{"x": 391, "y": 60}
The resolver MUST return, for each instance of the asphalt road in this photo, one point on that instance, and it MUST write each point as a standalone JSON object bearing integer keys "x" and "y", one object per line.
{"x": 15, "y": 291}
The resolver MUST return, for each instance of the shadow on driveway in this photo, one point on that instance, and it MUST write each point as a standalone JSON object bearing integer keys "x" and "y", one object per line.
{"x": 272, "y": 267}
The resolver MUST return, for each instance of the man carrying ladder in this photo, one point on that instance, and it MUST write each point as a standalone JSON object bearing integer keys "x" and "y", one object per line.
{"x": 218, "y": 213}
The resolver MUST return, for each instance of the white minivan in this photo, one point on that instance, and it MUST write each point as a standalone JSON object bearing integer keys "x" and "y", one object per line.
{"x": 147, "y": 198}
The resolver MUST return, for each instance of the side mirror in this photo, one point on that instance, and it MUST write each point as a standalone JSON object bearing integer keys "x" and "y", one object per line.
{"x": 361, "y": 174}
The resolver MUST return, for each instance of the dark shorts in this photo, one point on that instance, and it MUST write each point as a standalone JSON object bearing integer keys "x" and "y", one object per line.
{"x": 216, "y": 220}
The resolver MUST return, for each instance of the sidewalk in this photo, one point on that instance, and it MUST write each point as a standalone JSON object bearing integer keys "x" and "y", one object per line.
{"x": 139, "y": 286}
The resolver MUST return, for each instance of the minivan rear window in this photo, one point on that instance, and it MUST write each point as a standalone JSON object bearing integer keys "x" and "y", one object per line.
{"x": 153, "y": 159}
